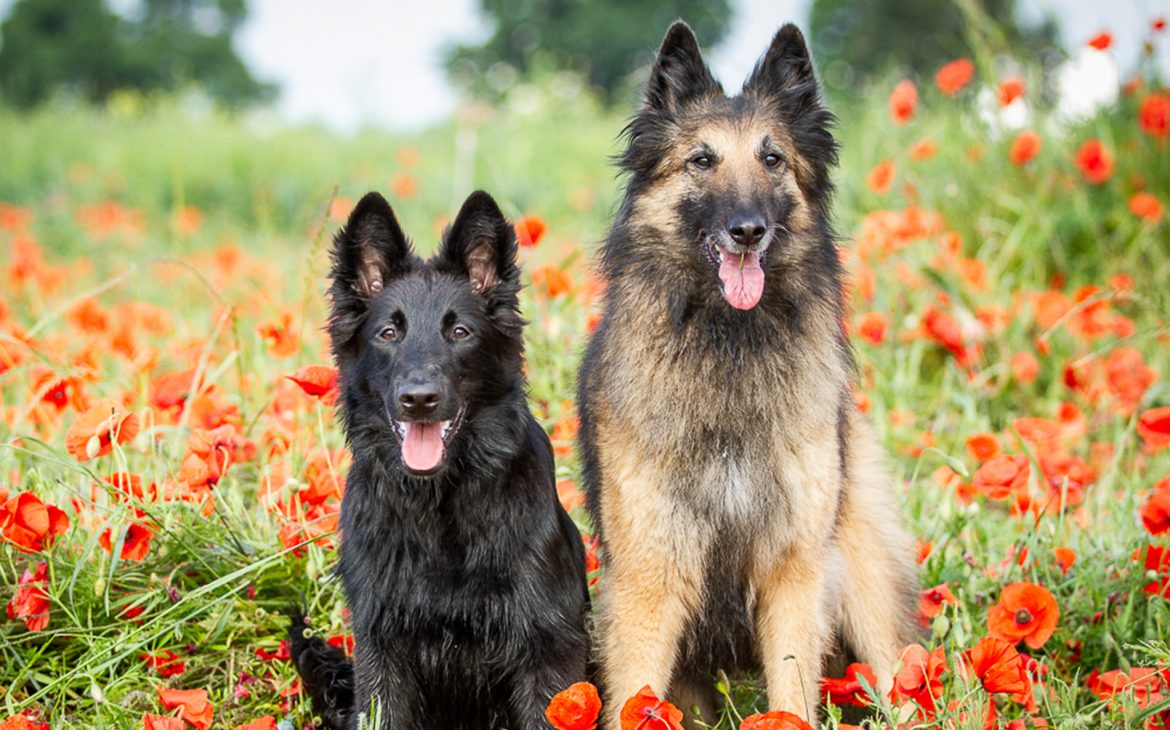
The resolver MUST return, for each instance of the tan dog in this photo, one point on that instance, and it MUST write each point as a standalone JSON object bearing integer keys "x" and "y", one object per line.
{"x": 746, "y": 517}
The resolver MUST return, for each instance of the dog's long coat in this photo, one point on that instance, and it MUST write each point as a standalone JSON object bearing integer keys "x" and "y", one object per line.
{"x": 745, "y": 514}
{"x": 465, "y": 577}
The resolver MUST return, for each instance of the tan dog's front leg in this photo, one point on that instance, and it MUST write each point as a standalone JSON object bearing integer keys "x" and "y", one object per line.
{"x": 795, "y": 624}
{"x": 643, "y": 618}
{"x": 655, "y": 555}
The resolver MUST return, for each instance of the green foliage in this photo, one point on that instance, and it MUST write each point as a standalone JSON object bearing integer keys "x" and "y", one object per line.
{"x": 858, "y": 41}
{"x": 80, "y": 48}
{"x": 604, "y": 40}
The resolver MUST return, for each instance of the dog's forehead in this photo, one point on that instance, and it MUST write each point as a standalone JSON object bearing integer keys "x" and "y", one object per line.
{"x": 425, "y": 296}
{"x": 733, "y": 122}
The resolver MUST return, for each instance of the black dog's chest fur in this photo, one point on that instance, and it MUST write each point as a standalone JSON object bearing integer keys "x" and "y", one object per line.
{"x": 471, "y": 584}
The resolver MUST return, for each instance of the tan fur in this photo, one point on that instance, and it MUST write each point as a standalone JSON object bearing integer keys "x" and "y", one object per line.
{"x": 825, "y": 553}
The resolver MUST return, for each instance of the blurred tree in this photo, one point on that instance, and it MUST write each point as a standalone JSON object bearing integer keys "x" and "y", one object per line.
{"x": 854, "y": 41}
{"x": 47, "y": 44}
{"x": 81, "y": 47}
{"x": 604, "y": 40}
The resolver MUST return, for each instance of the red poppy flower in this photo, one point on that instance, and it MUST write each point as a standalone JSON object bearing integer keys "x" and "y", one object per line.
{"x": 170, "y": 391}
{"x": 529, "y": 230}
{"x": 945, "y": 329}
{"x": 283, "y": 652}
{"x": 95, "y": 432}
{"x": 1003, "y": 476}
{"x": 1155, "y": 513}
{"x": 1066, "y": 557}
{"x": 1128, "y": 377}
{"x": 872, "y": 327}
{"x": 932, "y": 600}
{"x": 404, "y": 185}
{"x": 1010, "y": 89}
{"x": 919, "y": 679}
{"x": 343, "y": 642}
{"x": 903, "y": 101}
{"x": 881, "y": 177}
{"x": 1101, "y": 41}
{"x": 194, "y": 707}
{"x": 1095, "y": 162}
{"x": 982, "y": 446}
{"x": 30, "y": 524}
{"x": 1145, "y": 684}
{"x": 574, "y": 708}
{"x": 1157, "y": 563}
{"x": 922, "y": 550}
{"x": 1025, "y": 612}
{"x": 1065, "y": 478}
{"x": 775, "y": 720}
{"x": 161, "y": 722}
{"x": 848, "y": 690}
{"x": 998, "y": 666}
{"x": 165, "y": 664}
{"x": 644, "y": 711}
{"x": 954, "y": 76}
{"x": 30, "y": 602}
{"x": 279, "y": 333}
{"x": 923, "y": 149}
{"x": 1154, "y": 427}
{"x": 136, "y": 544}
{"x": 318, "y": 381}
{"x": 1154, "y": 114}
{"x": 1025, "y": 367}
{"x": 1158, "y": 24}
{"x": 268, "y": 722}
{"x": 551, "y": 280}
{"x": 219, "y": 448}
{"x": 23, "y": 722}
{"x": 1146, "y": 206}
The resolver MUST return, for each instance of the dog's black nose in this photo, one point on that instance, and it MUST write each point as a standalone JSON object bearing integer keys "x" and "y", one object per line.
{"x": 419, "y": 398}
{"x": 747, "y": 230}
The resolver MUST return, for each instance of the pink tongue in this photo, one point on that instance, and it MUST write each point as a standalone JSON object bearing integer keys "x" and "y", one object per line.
{"x": 422, "y": 446}
{"x": 743, "y": 279}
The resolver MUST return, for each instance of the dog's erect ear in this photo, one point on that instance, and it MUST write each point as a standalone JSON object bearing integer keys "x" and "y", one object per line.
{"x": 679, "y": 73}
{"x": 481, "y": 245}
{"x": 787, "y": 66}
{"x": 371, "y": 249}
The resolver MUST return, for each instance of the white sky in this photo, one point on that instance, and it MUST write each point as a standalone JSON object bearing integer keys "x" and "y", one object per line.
{"x": 358, "y": 60}
{"x": 352, "y": 62}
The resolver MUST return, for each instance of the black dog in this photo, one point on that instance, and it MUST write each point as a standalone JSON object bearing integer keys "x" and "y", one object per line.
{"x": 465, "y": 577}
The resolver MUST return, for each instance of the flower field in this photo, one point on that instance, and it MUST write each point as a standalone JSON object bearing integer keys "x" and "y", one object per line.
{"x": 171, "y": 469}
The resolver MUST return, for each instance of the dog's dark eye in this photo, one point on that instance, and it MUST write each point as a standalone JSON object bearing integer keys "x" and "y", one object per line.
{"x": 773, "y": 160}
{"x": 459, "y": 332}
{"x": 388, "y": 333}
{"x": 702, "y": 162}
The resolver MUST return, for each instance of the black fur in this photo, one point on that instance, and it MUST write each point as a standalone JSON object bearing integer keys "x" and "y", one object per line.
{"x": 466, "y": 585}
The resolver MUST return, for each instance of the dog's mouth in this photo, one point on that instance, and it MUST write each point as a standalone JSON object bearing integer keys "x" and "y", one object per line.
{"x": 424, "y": 445}
{"x": 741, "y": 275}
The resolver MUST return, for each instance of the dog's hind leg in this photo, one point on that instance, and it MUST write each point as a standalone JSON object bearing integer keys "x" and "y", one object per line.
{"x": 881, "y": 580}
